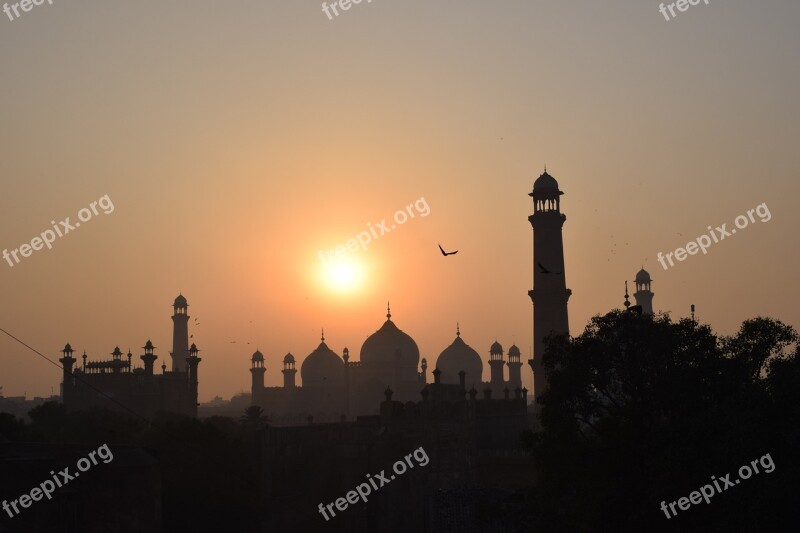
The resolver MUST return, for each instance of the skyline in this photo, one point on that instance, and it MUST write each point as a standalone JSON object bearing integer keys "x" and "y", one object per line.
{"x": 236, "y": 144}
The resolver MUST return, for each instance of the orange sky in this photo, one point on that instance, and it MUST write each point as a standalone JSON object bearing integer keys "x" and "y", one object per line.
{"x": 237, "y": 142}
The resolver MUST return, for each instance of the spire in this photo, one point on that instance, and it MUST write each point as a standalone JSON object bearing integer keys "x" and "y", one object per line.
{"x": 458, "y": 330}
{"x": 323, "y": 335}
{"x": 627, "y": 302}
{"x": 388, "y": 311}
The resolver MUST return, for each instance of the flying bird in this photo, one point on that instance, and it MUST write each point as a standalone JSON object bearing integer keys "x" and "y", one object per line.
{"x": 446, "y": 253}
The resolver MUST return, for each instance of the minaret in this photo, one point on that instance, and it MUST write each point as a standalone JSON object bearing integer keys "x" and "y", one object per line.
{"x": 289, "y": 370}
{"x": 258, "y": 370}
{"x": 66, "y": 384}
{"x": 643, "y": 294}
{"x": 550, "y": 292}
{"x": 180, "y": 334}
{"x": 191, "y": 363}
{"x": 496, "y": 364}
{"x": 149, "y": 358}
{"x": 514, "y": 368}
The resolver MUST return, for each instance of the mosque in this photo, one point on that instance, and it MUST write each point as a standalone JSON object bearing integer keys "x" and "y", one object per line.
{"x": 116, "y": 385}
{"x": 334, "y": 387}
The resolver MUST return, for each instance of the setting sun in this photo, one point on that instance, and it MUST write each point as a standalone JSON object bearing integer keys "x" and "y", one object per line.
{"x": 343, "y": 275}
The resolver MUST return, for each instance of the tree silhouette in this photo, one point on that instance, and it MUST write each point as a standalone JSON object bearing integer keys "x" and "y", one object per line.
{"x": 254, "y": 418}
{"x": 641, "y": 410}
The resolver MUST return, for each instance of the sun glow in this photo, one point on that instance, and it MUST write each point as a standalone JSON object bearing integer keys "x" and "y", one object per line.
{"x": 343, "y": 275}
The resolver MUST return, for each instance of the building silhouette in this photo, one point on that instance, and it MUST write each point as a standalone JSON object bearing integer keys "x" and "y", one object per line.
{"x": 644, "y": 294}
{"x": 334, "y": 386}
{"x": 117, "y": 385}
{"x": 550, "y": 293}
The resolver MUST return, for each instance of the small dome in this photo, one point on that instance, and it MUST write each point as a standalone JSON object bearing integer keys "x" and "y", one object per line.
{"x": 67, "y": 348}
{"x": 322, "y": 368}
{"x": 457, "y": 357}
{"x": 148, "y": 345}
{"x": 180, "y": 301}
{"x": 289, "y": 358}
{"x": 496, "y": 348}
{"x": 545, "y": 182}
{"x": 513, "y": 351}
{"x": 257, "y": 356}
{"x": 643, "y": 276}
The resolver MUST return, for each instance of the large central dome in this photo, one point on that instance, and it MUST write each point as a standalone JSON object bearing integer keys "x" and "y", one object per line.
{"x": 387, "y": 345}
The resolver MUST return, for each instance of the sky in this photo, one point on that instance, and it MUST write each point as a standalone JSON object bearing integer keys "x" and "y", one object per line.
{"x": 238, "y": 140}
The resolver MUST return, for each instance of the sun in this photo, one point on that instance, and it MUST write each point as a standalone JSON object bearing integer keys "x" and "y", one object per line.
{"x": 343, "y": 275}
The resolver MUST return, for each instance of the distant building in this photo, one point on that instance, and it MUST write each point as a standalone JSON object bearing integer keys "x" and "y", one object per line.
{"x": 20, "y": 406}
{"x": 114, "y": 383}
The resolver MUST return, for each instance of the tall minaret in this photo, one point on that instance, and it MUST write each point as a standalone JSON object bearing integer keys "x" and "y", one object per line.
{"x": 643, "y": 294}
{"x": 550, "y": 292}
{"x": 67, "y": 383}
{"x": 180, "y": 334}
{"x": 192, "y": 361}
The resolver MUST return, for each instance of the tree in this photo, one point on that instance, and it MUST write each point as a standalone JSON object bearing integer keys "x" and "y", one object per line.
{"x": 641, "y": 410}
{"x": 254, "y": 418}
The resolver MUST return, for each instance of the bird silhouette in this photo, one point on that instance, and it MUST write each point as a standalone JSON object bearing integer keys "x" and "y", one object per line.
{"x": 543, "y": 270}
{"x": 446, "y": 253}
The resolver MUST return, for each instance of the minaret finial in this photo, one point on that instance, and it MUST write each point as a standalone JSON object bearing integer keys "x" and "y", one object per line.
{"x": 692, "y": 311}
{"x": 323, "y": 335}
{"x": 627, "y": 302}
{"x": 545, "y": 168}
{"x": 388, "y": 311}
{"x": 458, "y": 330}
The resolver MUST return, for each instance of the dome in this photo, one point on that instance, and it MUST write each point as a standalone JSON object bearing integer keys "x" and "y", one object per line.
{"x": 322, "y": 367}
{"x": 257, "y": 356}
{"x": 545, "y": 182}
{"x": 382, "y": 347}
{"x": 513, "y": 351}
{"x": 180, "y": 301}
{"x": 289, "y": 358}
{"x": 496, "y": 348}
{"x": 643, "y": 276}
{"x": 457, "y": 357}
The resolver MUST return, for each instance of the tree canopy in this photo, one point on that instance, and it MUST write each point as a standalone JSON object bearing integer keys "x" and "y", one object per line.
{"x": 641, "y": 409}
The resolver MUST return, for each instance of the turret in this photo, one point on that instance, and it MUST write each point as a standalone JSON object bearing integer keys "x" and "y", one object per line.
{"x": 149, "y": 357}
{"x": 257, "y": 370}
{"x": 289, "y": 371}
{"x": 496, "y": 365}
{"x": 514, "y": 368}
